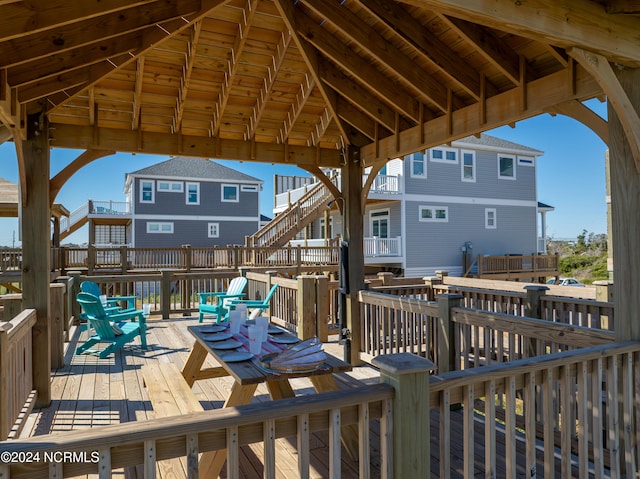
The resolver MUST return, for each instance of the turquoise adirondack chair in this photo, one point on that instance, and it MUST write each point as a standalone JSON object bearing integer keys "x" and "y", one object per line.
{"x": 110, "y": 329}
{"x": 112, "y": 301}
{"x": 257, "y": 304}
{"x": 221, "y": 300}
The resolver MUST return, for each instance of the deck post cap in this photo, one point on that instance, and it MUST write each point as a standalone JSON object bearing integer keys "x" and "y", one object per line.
{"x": 403, "y": 363}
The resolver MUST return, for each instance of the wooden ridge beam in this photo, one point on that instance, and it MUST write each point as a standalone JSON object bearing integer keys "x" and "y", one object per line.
{"x": 501, "y": 109}
{"x": 603, "y": 73}
{"x": 90, "y": 138}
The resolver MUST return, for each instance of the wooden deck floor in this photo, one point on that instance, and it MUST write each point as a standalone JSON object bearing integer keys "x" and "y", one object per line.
{"x": 91, "y": 392}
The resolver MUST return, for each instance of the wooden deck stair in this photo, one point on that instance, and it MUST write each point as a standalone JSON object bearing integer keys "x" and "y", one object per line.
{"x": 284, "y": 227}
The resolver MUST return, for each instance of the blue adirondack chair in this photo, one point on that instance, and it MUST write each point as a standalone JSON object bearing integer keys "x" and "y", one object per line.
{"x": 257, "y": 304}
{"x": 112, "y": 301}
{"x": 110, "y": 329}
{"x": 221, "y": 300}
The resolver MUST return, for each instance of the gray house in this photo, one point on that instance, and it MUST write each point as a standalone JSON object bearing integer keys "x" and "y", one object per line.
{"x": 476, "y": 196}
{"x": 191, "y": 201}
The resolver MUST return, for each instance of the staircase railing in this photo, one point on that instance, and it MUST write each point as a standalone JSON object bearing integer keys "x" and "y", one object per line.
{"x": 287, "y": 224}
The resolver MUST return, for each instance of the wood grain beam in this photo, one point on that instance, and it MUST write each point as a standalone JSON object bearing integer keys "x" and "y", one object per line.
{"x": 406, "y": 27}
{"x": 563, "y": 23}
{"x": 356, "y": 118}
{"x": 362, "y": 70}
{"x": 402, "y": 68}
{"x": 40, "y": 15}
{"x": 11, "y": 113}
{"x": 185, "y": 79}
{"x": 623, "y": 6}
{"x": 305, "y": 89}
{"x": 291, "y": 17}
{"x": 57, "y": 182}
{"x": 501, "y": 109}
{"x": 96, "y": 138}
{"x": 137, "y": 93}
{"x": 232, "y": 66}
{"x": 34, "y": 46}
{"x": 585, "y": 115}
{"x": 601, "y": 70}
{"x": 319, "y": 129}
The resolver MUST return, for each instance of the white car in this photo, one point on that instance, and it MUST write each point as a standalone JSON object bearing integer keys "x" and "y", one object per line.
{"x": 565, "y": 282}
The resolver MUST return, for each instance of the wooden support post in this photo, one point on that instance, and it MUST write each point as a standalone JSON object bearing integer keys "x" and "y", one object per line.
{"x": 165, "y": 294}
{"x": 322, "y": 307}
{"x": 307, "y": 321}
{"x": 386, "y": 278}
{"x": 124, "y": 259}
{"x": 91, "y": 259}
{"x": 185, "y": 296}
{"x": 354, "y": 236}
{"x": 533, "y": 309}
{"x": 36, "y": 249}
{"x": 430, "y": 282}
{"x": 604, "y": 290}
{"x": 73, "y": 290}
{"x": 446, "y": 354}
{"x": 409, "y": 376}
{"x": 58, "y": 321}
{"x": 270, "y": 276}
{"x": 12, "y": 306}
{"x": 66, "y": 304}
{"x": 625, "y": 186}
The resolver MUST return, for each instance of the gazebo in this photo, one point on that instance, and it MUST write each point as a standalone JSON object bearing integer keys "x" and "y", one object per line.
{"x": 315, "y": 83}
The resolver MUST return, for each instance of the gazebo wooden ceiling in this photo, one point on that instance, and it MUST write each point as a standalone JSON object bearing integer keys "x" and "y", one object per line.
{"x": 296, "y": 82}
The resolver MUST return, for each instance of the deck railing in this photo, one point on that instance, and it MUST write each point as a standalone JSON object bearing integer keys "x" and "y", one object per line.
{"x": 104, "y": 449}
{"x": 16, "y": 369}
{"x": 572, "y": 414}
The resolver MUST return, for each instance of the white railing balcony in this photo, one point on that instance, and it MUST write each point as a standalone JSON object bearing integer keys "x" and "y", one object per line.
{"x": 376, "y": 247}
{"x": 385, "y": 185}
{"x": 110, "y": 208}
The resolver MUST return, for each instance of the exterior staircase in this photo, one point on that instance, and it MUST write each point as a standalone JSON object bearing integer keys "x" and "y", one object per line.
{"x": 80, "y": 217}
{"x": 286, "y": 225}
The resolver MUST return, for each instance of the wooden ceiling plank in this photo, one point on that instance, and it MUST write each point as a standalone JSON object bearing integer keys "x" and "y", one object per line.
{"x": 399, "y": 21}
{"x": 33, "y": 46}
{"x": 291, "y": 17}
{"x": 185, "y": 79}
{"x": 494, "y": 50}
{"x": 365, "y": 73}
{"x": 501, "y": 109}
{"x": 563, "y": 23}
{"x": 40, "y": 15}
{"x": 268, "y": 83}
{"x": 602, "y": 71}
{"x": 73, "y": 136}
{"x": 402, "y": 67}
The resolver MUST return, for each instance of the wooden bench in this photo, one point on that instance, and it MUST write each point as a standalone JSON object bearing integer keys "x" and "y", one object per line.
{"x": 170, "y": 395}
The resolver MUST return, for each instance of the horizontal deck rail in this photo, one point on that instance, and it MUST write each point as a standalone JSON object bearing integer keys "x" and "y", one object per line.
{"x": 107, "y": 448}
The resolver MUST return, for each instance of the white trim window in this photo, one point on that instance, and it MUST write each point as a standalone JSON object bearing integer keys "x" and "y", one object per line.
{"x": 490, "y": 218}
{"x": 468, "y": 166}
{"x": 229, "y": 193}
{"x": 379, "y": 223}
{"x": 170, "y": 186}
{"x": 437, "y": 214}
{"x": 328, "y": 234}
{"x": 526, "y": 161}
{"x": 444, "y": 155}
{"x": 147, "y": 194}
{"x": 213, "y": 230}
{"x": 506, "y": 167}
{"x": 193, "y": 194}
{"x": 249, "y": 188}
{"x": 164, "y": 227}
{"x": 418, "y": 165}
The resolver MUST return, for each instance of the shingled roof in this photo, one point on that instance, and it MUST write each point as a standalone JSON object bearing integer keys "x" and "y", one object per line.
{"x": 498, "y": 144}
{"x": 202, "y": 169}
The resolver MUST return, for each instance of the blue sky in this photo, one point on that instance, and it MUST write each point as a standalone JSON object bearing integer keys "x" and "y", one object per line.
{"x": 570, "y": 175}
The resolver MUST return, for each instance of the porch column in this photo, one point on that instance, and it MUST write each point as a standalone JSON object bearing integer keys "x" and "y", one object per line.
{"x": 353, "y": 235}
{"x": 625, "y": 200}
{"x": 36, "y": 247}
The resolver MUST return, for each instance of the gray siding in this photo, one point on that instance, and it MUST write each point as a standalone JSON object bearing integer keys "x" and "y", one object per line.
{"x": 445, "y": 179}
{"x": 193, "y": 232}
{"x": 395, "y": 218}
{"x": 438, "y": 244}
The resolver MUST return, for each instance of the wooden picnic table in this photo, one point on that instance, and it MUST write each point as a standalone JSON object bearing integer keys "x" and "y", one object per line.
{"x": 249, "y": 374}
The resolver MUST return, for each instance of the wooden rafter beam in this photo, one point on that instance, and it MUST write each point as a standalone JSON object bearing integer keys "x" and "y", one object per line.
{"x": 291, "y": 17}
{"x": 501, "y": 109}
{"x": 35, "y": 46}
{"x": 487, "y": 44}
{"x": 404, "y": 26}
{"x": 232, "y": 66}
{"x": 585, "y": 115}
{"x": 398, "y": 65}
{"x": 269, "y": 81}
{"x": 320, "y": 128}
{"x": 563, "y": 23}
{"x": 362, "y": 70}
{"x": 356, "y": 118}
{"x": 137, "y": 93}
{"x": 154, "y": 39}
{"x": 97, "y": 138}
{"x": 601, "y": 70}
{"x": 305, "y": 89}
{"x": 185, "y": 79}
{"x": 57, "y": 182}
{"x": 623, "y": 6}
{"x": 40, "y": 15}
